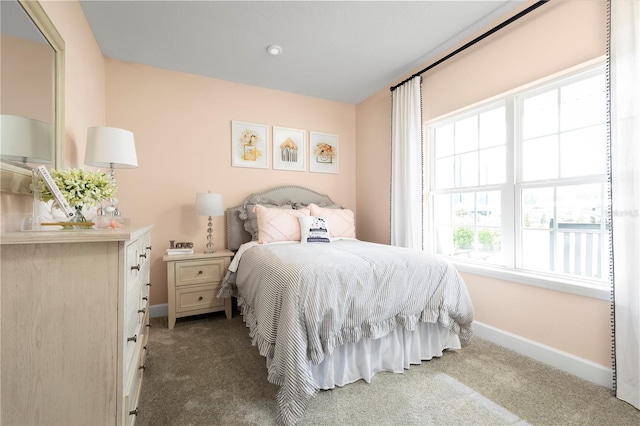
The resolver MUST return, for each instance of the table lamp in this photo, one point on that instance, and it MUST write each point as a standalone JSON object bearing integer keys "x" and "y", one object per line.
{"x": 111, "y": 147}
{"x": 209, "y": 204}
{"x": 25, "y": 140}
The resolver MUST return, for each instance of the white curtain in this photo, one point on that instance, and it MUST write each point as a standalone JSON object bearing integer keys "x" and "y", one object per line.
{"x": 625, "y": 193}
{"x": 406, "y": 166}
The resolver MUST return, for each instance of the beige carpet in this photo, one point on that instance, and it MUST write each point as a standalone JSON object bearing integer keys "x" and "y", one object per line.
{"x": 205, "y": 372}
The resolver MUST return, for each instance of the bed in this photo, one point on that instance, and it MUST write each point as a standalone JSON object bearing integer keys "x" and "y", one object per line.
{"x": 329, "y": 312}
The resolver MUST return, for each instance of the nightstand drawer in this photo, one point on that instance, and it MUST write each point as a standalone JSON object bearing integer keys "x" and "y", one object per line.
{"x": 197, "y": 297}
{"x": 196, "y": 272}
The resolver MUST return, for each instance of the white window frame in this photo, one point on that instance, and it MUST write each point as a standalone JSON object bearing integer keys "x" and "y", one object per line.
{"x": 598, "y": 289}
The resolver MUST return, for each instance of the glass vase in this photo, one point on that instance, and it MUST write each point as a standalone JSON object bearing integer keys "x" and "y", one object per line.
{"x": 79, "y": 216}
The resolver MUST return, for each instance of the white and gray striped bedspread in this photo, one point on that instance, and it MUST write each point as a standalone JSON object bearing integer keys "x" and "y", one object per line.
{"x": 300, "y": 301}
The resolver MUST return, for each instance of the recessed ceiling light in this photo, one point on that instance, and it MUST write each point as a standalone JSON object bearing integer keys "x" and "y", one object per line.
{"x": 274, "y": 50}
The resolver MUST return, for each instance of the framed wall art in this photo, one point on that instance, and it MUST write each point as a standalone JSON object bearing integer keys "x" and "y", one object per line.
{"x": 323, "y": 152}
{"x": 249, "y": 145}
{"x": 288, "y": 149}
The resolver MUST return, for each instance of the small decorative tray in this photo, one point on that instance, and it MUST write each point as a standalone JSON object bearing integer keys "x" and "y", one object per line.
{"x": 70, "y": 225}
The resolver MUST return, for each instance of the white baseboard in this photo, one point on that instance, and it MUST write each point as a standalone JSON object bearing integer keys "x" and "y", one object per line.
{"x": 583, "y": 368}
{"x": 161, "y": 310}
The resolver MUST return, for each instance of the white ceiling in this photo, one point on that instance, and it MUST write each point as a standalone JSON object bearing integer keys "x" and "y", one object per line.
{"x": 338, "y": 50}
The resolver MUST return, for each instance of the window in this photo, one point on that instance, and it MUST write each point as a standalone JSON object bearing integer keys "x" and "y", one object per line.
{"x": 520, "y": 183}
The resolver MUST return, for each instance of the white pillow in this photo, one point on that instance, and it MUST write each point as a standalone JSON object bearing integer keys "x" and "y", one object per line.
{"x": 314, "y": 229}
{"x": 342, "y": 220}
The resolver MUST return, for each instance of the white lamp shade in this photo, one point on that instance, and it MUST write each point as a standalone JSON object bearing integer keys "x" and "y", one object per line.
{"x": 110, "y": 147}
{"x": 26, "y": 140}
{"x": 208, "y": 204}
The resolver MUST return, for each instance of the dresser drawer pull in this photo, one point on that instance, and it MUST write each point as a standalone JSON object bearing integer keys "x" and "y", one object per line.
{"x": 149, "y": 325}
{"x": 199, "y": 272}
{"x": 200, "y": 299}
{"x": 148, "y": 248}
{"x": 144, "y": 347}
{"x": 133, "y": 339}
{"x": 148, "y": 284}
{"x": 144, "y": 255}
{"x": 142, "y": 311}
{"x": 137, "y": 267}
{"x": 133, "y": 412}
{"x": 145, "y": 298}
{"x": 142, "y": 367}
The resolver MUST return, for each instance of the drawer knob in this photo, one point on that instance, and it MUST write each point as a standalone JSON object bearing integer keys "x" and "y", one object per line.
{"x": 142, "y": 311}
{"x": 148, "y": 248}
{"x": 133, "y": 339}
{"x": 149, "y": 284}
{"x": 133, "y": 412}
{"x": 149, "y": 325}
{"x": 145, "y": 298}
{"x": 142, "y": 367}
{"x": 144, "y": 255}
{"x": 199, "y": 272}
{"x": 137, "y": 267}
{"x": 200, "y": 299}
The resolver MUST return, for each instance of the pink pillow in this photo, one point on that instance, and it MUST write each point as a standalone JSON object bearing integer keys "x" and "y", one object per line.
{"x": 275, "y": 224}
{"x": 341, "y": 220}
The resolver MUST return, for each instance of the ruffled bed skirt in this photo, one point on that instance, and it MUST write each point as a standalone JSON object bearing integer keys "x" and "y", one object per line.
{"x": 394, "y": 353}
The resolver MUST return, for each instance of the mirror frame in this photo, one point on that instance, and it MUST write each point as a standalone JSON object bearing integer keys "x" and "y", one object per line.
{"x": 14, "y": 179}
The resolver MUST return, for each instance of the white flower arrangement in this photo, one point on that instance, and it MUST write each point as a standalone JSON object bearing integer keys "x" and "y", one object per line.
{"x": 81, "y": 187}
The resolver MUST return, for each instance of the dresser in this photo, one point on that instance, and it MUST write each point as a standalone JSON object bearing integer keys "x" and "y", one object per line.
{"x": 75, "y": 315}
{"x": 193, "y": 281}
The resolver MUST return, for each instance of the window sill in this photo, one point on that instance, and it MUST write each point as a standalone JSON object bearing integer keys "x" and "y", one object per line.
{"x": 566, "y": 285}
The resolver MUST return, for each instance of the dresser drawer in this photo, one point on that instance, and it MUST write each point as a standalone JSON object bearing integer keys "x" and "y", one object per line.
{"x": 133, "y": 385}
{"x": 135, "y": 330}
{"x": 197, "y": 297}
{"x": 195, "y": 272}
{"x": 137, "y": 258}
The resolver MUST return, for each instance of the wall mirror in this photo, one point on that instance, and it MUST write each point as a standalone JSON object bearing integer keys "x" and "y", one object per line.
{"x": 32, "y": 84}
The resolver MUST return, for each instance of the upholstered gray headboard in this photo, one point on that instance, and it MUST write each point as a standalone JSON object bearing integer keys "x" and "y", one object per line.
{"x": 239, "y": 218}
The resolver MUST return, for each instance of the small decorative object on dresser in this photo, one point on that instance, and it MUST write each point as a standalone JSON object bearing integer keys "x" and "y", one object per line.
{"x": 194, "y": 281}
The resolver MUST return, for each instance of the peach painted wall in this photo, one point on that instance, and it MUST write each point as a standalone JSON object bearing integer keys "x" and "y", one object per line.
{"x": 27, "y": 87}
{"x": 182, "y": 128}
{"x": 84, "y": 96}
{"x": 559, "y": 35}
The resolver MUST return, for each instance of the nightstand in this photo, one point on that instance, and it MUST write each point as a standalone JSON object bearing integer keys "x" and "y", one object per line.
{"x": 193, "y": 282}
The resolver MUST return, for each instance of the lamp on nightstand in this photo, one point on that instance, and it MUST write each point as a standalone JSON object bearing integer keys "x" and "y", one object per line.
{"x": 209, "y": 204}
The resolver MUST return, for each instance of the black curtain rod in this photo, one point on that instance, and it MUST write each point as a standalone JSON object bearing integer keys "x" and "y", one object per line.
{"x": 474, "y": 41}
